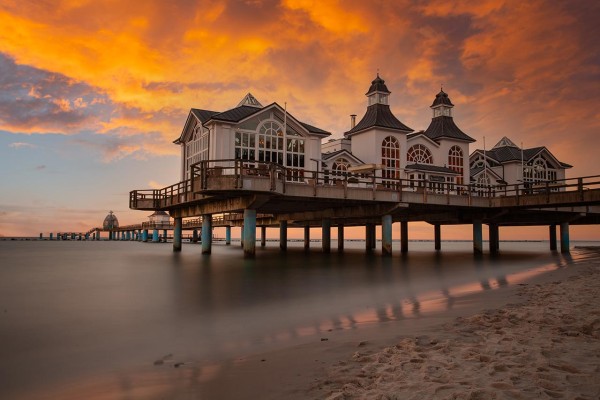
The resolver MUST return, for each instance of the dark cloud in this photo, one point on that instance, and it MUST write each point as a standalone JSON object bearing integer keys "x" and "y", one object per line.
{"x": 35, "y": 100}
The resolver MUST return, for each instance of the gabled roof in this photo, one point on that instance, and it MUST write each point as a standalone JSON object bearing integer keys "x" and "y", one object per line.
{"x": 314, "y": 129}
{"x": 420, "y": 134}
{"x": 441, "y": 98}
{"x": 378, "y": 115}
{"x": 235, "y": 114}
{"x": 329, "y": 156}
{"x": 506, "y": 154}
{"x": 203, "y": 115}
{"x": 443, "y": 126}
{"x": 432, "y": 168}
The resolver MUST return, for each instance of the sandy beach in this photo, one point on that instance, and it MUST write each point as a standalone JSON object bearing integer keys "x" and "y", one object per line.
{"x": 544, "y": 346}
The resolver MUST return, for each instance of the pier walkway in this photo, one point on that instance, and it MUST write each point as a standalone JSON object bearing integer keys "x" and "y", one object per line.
{"x": 259, "y": 194}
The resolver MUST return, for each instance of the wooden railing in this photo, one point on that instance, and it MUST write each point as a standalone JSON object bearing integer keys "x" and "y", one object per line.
{"x": 280, "y": 177}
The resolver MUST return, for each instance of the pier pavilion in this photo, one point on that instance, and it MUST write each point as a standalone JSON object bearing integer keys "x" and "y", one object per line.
{"x": 259, "y": 166}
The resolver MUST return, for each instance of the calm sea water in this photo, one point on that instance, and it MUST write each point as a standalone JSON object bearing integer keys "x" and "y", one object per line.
{"x": 70, "y": 310}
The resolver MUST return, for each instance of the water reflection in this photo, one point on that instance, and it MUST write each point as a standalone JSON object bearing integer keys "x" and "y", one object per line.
{"x": 148, "y": 302}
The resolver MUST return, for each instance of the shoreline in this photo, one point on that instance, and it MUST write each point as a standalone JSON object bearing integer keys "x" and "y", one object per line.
{"x": 367, "y": 362}
{"x": 471, "y": 352}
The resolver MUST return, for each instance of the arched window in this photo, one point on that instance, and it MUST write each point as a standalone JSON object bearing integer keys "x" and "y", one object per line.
{"x": 455, "y": 162}
{"x": 419, "y": 154}
{"x": 340, "y": 166}
{"x": 270, "y": 142}
{"x": 390, "y": 158}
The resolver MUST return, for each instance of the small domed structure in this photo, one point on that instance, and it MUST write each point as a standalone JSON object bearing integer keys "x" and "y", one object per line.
{"x": 110, "y": 222}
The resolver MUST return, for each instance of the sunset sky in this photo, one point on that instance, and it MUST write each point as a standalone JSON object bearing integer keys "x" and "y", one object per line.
{"x": 94, "y": 92}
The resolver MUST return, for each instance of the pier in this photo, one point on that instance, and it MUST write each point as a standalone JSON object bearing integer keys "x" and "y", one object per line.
{"x": 256, "y": 194}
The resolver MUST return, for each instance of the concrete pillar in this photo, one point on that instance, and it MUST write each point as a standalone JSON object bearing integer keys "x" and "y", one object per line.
{"x": 128, "y": 235}
{"x": 242, "y": 237}
{"x": 165, "y": 235}
{"x": 326, "y": 235}
{"x": 263, "y": 236}
{"x": 228, "y": 235}
{"x": 373, "y": 237}
{"x": 51, "y": 235}
{"x": 386, "y": 235}
{"x": 145, "y": 235}
{"x": 552, "y": 229}
{"x": 437, "y": 236}
{"x": 564, "y": 237}
{"x": 249, "y": 233}
{"x": 340, "y": 236}
{"x": 98, "y": 235}
{"x": 87, "y": 236}
{"x": 404, "y": 236}
{"x": 477, "y": 237}
{"x": 155, "y": 236}
{"x": 177, "y": 233}
{"x": 368, "y": 233}
{"x": 206, "y": 233}
{"x": 41, "y": 236}
{"x": 494, "y": 238}
{"x": 306, "y": 237}
{"x": 195, "y": 236}
{"x": 283, "y": 235}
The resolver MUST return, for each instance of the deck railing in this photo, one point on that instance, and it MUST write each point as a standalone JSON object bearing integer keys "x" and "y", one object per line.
{"x": 279, "y": 178}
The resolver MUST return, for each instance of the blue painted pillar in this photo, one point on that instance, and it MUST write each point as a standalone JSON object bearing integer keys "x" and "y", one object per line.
{"x": 87, "y": 236}
{"x": 564, "y": 237}
{"x": 123, "y": 235}
{"x": 72, "y": 236}
{"x": 437, "y": 236}
{"x": 386, "y": 235}
{"x": 249, "y": 233}
{"x": 340, "y": 237}
{"x": 194, "y": 236}
{"x": 155, "y": 236}
{"x": 145, "y": 235}
{"x": 283, "y": 235}
{"x": 307, "y": 237}
{"x": 177, "y": 229}
{"x": 552, "y": 229}
{"x": 477, "y": 237}
{"x": 263, "y": 236}
{"x": 206, "y": 233}
{"x": 404, "y": 236}
{"x": 50, "y": 235}
{"x": 242, "y": 237}
{"x": 228, "y": 235}
{"x": 326, "y": 236}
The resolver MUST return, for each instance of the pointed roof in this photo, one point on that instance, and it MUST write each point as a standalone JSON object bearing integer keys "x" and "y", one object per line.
{"x": 378, "y": 115}
{"x": 505, "y": 142}
{"x": 378, "y": 85}
{"x": 250, "y": 101}
{"x": 443, "y": 126}
{"x": 441, "y": 99}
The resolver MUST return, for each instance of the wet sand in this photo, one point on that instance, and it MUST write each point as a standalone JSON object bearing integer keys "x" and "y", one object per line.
{"x": 544, "y": 346}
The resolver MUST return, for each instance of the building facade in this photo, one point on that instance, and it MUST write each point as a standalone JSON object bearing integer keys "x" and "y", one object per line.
{"x": 379, "y": 144}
